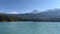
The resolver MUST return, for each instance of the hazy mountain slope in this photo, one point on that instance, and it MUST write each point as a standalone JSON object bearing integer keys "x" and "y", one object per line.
{"x": 47, "y": 14}
{"x": 52, "y": 14}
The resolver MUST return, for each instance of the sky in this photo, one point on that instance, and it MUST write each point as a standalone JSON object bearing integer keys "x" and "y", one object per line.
{"x": 25, "y": 6}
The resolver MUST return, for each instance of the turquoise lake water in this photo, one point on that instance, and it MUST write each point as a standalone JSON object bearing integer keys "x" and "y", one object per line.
{"x": 29, "y": 27}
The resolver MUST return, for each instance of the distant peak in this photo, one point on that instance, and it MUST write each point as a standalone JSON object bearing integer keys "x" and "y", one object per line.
{"x": 35, "y": 11}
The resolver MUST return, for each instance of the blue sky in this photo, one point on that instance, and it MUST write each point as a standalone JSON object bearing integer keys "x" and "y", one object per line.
{"x": 23, "y": 6}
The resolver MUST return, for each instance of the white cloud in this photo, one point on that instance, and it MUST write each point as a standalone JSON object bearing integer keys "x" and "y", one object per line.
{"x": 12, "y": 12}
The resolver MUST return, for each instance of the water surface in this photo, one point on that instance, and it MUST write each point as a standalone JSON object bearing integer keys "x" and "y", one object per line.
{"x": 29, "y": 27}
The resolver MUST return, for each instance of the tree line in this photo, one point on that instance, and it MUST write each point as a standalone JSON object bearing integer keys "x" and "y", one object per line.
{"x": 4, "y": 18}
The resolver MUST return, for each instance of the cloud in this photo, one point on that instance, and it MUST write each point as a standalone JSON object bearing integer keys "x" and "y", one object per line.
{"x": 12, "y": 12}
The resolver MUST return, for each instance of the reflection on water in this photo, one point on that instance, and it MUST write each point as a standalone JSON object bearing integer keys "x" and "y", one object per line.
{"x": 30, "y": 28}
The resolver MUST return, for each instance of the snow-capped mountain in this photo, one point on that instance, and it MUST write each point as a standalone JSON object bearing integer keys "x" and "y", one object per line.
{"x": 35, "y": 11}
{"x": 37, "y": 15}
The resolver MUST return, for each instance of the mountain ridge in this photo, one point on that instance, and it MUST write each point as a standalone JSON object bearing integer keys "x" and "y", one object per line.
{"x": 47, "y": 14}
{"x": 50, "y": 15}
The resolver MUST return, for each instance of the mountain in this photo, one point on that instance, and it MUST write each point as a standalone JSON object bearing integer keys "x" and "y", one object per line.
{"x": 49, "y": 15}
{"x": 35, "y": 11}
{"x": 55, "y": 13}
{"x": 33, "y": 14}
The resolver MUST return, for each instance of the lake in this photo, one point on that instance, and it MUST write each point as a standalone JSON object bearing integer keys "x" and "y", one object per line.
{"x": 29, "y": 27}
